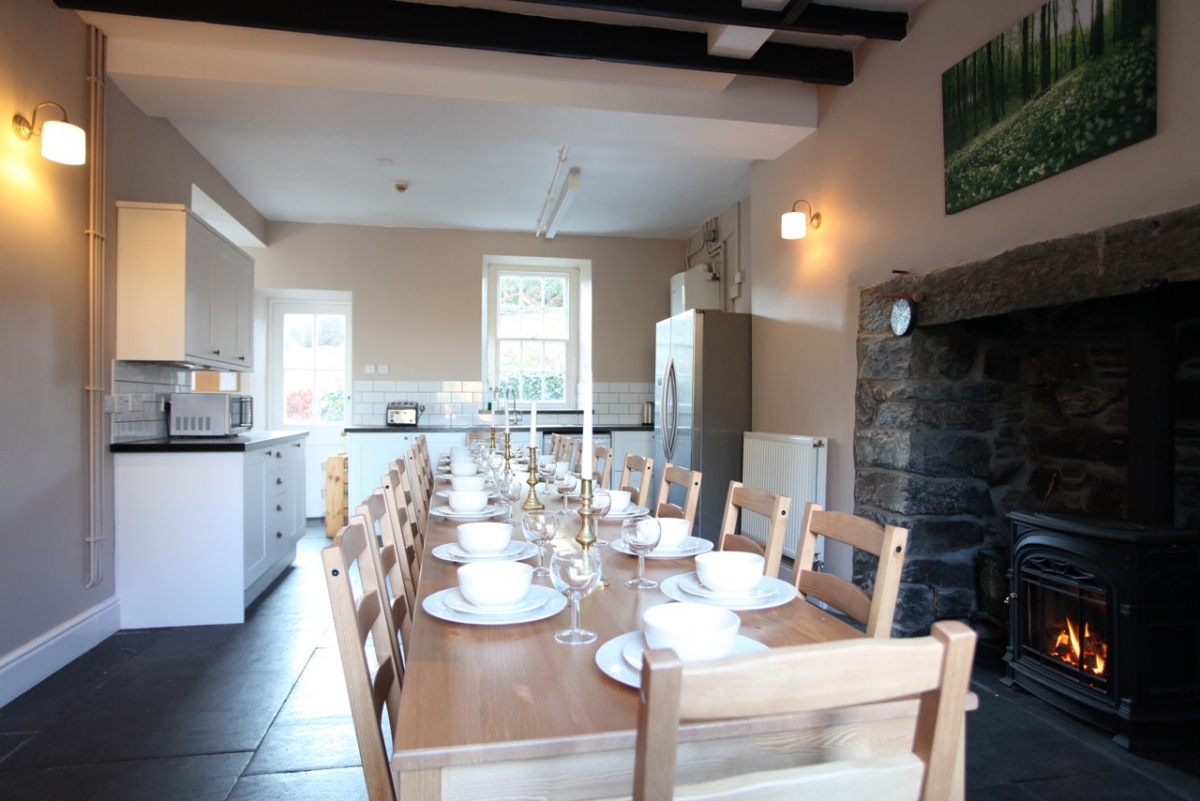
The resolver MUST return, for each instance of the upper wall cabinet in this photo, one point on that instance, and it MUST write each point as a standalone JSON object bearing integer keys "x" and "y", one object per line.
{"x": 184, "y": 292}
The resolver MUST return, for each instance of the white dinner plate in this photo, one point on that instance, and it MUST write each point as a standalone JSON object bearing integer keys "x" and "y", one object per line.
{"x": 612, "y": 657}
{"x": 691, "y": 547}
{"x": 491, "y": 510}
{"x": 435, "y": 606}
{"x": 492, "y": 494}
{"x": 691, "y": 584}
{"x": 628, "y": 511}
{"x": 783, "y": 593}
{"x": 455, "y": 601}
{"x": 515, "y": 552}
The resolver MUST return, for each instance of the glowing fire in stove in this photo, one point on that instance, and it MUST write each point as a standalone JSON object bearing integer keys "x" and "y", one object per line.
{"x": 1088, "y": 653}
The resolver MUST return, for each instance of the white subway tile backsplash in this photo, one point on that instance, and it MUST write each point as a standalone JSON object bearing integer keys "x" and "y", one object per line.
{"x": 364, "y": 386}
{"x": 385, "y": 386}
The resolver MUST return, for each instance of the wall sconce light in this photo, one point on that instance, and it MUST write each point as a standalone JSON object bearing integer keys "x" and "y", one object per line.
{"x": 61, "y": 141}
{"x": 796, "y": 223}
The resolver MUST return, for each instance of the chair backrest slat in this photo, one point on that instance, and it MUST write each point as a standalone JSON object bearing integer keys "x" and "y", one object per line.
{"x": 775, "y": 508}
{"x": 644, "y": 467}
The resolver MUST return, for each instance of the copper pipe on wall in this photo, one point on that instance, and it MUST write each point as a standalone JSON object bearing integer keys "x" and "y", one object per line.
{"x": 97, "y": 385}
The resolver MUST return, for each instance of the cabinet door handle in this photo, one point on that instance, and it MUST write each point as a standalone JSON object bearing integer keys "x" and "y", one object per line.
{"x": 241, "y": 358}
{"x": 297, "y": 444}
{"x": 217, "y": 352}
{"x": 269, "y": 453}
{"x": 279, "y": 481}
{"x": 278, "y": 507}
{"x": 278, "y": 535}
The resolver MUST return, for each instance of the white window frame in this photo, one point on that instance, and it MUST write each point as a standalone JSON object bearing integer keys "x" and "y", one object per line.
{"x": 579, "y": 350}
{"x": 277, "y": 308}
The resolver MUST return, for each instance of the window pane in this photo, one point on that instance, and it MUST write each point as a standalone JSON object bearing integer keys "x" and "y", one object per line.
{"x": 297, "y": 341}
{"x": 531, "y": 291}
{"x": 556, "y": 289}
{"x": 297, "y": 396}
{"x": 510, "y": 356}
{"x": 555, "y": 324}
{"x": 508, "y": 323}
{"x": 531, "y": 357}
{"x": 531, "y": 387}
{"x": 331, "y": 395}
{"x": 510, "y": 291}
{"x": 531, "y": 323}
{"x": 552, "y": 386}
{"x": 556, "y": 357}
{"x": 331, "y": 342}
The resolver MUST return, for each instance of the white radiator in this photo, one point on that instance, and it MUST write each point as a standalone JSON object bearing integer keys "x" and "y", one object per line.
{"x": 785, "y": 465}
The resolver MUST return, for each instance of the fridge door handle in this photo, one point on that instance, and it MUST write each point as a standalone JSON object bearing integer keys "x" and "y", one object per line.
{"x": 670, "y": 407}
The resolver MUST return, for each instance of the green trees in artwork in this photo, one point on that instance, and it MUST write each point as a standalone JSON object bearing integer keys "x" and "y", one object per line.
{"x": 1085, "y": 67}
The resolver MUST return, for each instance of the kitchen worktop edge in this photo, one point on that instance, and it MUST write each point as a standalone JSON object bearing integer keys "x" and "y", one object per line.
{"x": 552, "y": 429}
{"x": 250, "y": 441}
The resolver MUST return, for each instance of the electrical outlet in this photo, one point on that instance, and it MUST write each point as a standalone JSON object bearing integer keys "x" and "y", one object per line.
{"x": 369, "y": 369}
{"x": 110, "y": 404}
{"x": 383, "y": 369}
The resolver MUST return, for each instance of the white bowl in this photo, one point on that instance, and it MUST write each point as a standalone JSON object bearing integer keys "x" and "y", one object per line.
{"x": 463, "y": 501}
{"x": 620, "y": 499}
{"x": 484, "y": 538}
{"x": 729, "y": 571}
{"x": 561, "y": 468}
{"x": 463, "y": 468}
{"x": 695, "y": 632}
{"x": 495, "y": 583}
{"x": 467, "y": 483}
{"x": 675, "y": 531}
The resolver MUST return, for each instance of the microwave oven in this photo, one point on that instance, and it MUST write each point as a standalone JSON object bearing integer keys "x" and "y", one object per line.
{"x": 209, "y": 414}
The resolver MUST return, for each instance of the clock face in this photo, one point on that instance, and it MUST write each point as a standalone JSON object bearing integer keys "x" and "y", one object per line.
{"x": 903, "y": 317}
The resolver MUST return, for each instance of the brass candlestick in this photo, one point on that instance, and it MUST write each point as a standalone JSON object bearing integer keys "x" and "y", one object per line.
{"x": 587, "y": 532}
{"x": 532, "y": 504}
{"x": 507, "y": 457}
{"x": 492, "y": 440}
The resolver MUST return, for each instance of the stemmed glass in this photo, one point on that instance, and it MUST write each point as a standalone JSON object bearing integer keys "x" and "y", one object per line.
{"x": 575, "y": 572}
{"x": 509, "y": 487}
{"x": 564, "y": 484}
{"x": 641, "y": 534}
{"x": 540, "y": 528}
{"x": 601, "y": 503}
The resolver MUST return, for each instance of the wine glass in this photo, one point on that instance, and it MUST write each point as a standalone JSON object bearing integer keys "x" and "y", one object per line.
{"x": 601, "y": 503}
{"x": 564, "y": 484}
{"x": 540, "y": 528}
{"x": 641, "y": 534}
{"x": 575, "y": 572}
{"x": 509, "y": 488}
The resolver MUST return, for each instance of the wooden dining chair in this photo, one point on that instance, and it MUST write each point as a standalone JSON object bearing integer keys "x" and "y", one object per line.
{"x": 360, "y": 613}
{"x": 404, "y": 512}
{"x": 421, "y": 497}
{"x": 644, "y": 467}
{"x": 566, "y": 450}
{"x": 839, "y": 675}
{"x": 775, "y": 508}
{"x": 427, "y": 471}
{"x": 394, "y": 565}
{"x": 688, "y": 481}
{"x": 887, "y": 543}
{"x": 602, "y": 456}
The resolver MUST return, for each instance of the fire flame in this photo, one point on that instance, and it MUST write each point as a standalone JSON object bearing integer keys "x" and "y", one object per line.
{"x": 1088, "y": 653}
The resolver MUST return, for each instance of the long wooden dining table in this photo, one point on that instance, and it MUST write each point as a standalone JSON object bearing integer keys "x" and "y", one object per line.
{"x": 495, "y": 712}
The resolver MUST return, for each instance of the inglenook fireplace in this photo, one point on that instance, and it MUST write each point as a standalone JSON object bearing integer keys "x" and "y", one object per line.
{"x": 1105, "y": 624}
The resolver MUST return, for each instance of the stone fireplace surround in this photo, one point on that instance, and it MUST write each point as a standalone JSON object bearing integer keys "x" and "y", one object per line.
{"x": 1013, "y": 394}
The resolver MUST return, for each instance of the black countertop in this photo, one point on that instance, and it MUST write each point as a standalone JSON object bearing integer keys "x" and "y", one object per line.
{"x": 250, "y": 441}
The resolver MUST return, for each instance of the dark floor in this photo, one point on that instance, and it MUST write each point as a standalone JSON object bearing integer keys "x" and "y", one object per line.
{"x": 259, "y": 711}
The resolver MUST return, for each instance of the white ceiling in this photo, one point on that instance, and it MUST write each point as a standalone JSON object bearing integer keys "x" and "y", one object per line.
{"x": 319, "y": 129}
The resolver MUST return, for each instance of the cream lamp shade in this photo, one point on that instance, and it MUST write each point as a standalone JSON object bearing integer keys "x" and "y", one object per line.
{"x": 63, "y": 142}
{"x": 795, "y": 224}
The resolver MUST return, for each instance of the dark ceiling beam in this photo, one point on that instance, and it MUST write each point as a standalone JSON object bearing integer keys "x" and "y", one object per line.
{"x": 808, "y": 17}
{"x": 478, "y": 29}
{"x": 491, "y": 30}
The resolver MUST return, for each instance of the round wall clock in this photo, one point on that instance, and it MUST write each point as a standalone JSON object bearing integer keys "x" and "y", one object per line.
{"x": 904, "y": 316}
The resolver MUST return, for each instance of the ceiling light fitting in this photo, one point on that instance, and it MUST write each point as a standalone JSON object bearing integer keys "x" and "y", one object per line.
{"x": 566, "y": 197}
{"x": 61, "y": 141}
{"x": 795, "y": 224}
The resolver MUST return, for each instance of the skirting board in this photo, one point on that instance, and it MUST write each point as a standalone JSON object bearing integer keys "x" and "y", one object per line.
{"x": 40, "y": 658}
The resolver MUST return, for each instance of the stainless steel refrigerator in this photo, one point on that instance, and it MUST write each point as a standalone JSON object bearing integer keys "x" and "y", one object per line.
{"x": 702, "y": 379}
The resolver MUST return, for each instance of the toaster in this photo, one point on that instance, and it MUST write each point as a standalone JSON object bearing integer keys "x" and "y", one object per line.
{"x": 402, "y": 413}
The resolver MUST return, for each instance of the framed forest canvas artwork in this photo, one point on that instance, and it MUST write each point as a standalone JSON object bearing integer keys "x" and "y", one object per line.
{"x": 1073, "y": 81}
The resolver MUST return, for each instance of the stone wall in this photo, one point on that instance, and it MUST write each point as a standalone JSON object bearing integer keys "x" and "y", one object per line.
{"x": 975, "y": 415}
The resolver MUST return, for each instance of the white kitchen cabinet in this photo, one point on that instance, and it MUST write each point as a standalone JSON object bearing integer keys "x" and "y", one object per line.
{"x": 370, "y": 452}
{"x": 200, "y": 534}
{"x": 184, "y": 292}
{"x": 640, "y": 443}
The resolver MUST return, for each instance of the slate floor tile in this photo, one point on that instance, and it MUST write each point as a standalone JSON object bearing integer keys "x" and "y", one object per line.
{"x": 193, "y": 778}
{"x": 344, "y": 784}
